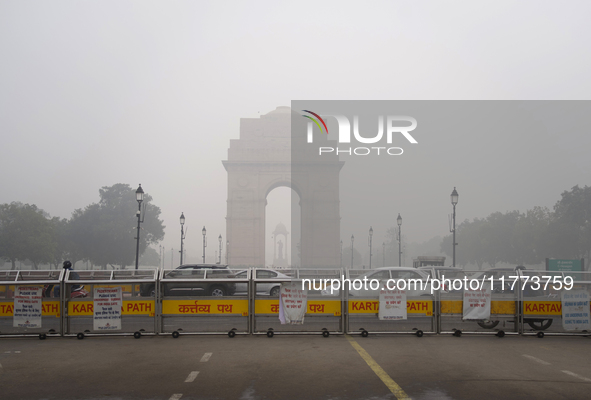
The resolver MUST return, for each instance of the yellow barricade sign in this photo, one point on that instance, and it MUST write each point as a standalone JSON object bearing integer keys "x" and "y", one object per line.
{"x": 139, "y": 307}
{"x": 130, "y": 307}
{"x": 496, "y": 307}
{"x": 502, "y": 307}
{"x": 266, "y": 306}
{"x": 542, "y": 308}
{"x": 314, "y": 307}
{"x": 364, "y": 306}
{"x": 50, "y": 309}
{"x": 452, "y": 306}
{"x": 424, "y": 307}
{"x": 6, "y": 309}
{"x": 189, "y": 307}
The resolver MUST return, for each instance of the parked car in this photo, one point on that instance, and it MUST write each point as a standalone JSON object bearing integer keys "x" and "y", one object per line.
{"x": 190, "y": 272}
{"x": 396, "y": 273}
{"x": 271, "y": 288}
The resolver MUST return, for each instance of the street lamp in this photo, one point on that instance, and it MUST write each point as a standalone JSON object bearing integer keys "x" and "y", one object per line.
{"x": 182, "y": 220}
{"x": 352, "y": 240}
{"x": 370, "y": 239}
{"x": 220, "y": 252}
{"x": 203, "y": 231}
{"x": 399, "y": 222}
{"x": 139, "y": 196}
{"x": 384, "y": 254}
{"x": 341, "y": 253}
{"x": 454, "y": 201}
{"x": 227, "y": 250}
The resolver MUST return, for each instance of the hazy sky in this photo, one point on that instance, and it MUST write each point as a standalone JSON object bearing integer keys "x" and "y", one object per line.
{"x": 97, "y": 93}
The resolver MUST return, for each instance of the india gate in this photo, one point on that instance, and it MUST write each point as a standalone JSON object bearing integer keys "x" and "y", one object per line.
{"x": 272, "y": 152}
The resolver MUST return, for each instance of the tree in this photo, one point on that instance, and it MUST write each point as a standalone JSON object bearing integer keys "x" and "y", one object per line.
{"x": 497, "y": 236}
{"x": 26, "y": 233}
{"x": 483, "y": 241}
{"x": 570, "y": 228}
{"x": 60, "y": 252}
{"x": 104, "y": 232}
{"x": 150, "y": 257}
{"x": 531, "y": 236}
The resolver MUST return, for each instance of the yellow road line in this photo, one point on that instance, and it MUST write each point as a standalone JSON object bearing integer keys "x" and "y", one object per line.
{"x": 379, "y": 371}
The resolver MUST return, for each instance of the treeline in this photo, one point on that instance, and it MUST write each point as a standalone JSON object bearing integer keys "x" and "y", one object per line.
{"x": 527, "y": 238}
{"x": 102, "y": 233}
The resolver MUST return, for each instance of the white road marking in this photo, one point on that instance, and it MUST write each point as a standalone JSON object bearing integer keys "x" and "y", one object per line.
{"x": 7, "y": 352}
{"x": 192, "y": 376}
{"x": 577, "y": 376}
{"x": 176, "y": 396}
{"x": 536, "y": 359}
{"x": 206, "y": 357}
{"x": 17, "y": 352}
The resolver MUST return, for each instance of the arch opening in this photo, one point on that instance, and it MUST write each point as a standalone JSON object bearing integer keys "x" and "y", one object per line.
{"x": 282, "y": 228}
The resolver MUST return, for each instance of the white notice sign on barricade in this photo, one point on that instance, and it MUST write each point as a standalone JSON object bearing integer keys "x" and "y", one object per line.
{"x": 107, "y": 309}
{"x": 477, "y": 302}
{"x": 392, "y": 304}
{"x": 575, "y": 310}
{"x": 293, "y": 302}
{"x": 28, "y": 309}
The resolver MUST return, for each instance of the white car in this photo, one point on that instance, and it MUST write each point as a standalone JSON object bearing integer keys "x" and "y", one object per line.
{"x": 396, "y": 273}
{"x": 271, "y": 288}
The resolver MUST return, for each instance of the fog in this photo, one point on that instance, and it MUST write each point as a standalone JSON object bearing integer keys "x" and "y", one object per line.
{"x": 98, "y": 93}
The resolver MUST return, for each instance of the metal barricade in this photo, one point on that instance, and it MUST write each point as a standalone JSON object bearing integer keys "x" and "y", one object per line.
{"x": 555, "y": 303}
{"x": 363, "y": 299}
{"x": 324, "y": 310}
{"x": 504, "y": 302}
{"x": 24, "y": 291}
{"x": 205, "y": 301}
{"x": 138, "y": 302}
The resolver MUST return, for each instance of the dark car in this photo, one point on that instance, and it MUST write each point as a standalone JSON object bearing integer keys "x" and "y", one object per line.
{"x": 196, "y": 284}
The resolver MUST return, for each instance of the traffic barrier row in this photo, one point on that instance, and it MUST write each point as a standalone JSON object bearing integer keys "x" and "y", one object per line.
{"x": 192, "y": 301}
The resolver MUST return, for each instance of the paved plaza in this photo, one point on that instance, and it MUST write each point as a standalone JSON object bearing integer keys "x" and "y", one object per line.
{"x": 296, "y": 367}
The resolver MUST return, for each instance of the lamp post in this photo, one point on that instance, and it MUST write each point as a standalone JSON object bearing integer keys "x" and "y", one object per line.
{"x": 454, "y": 201}
{"x": 399, "y": 222}
{"x": 341, "y": 254}
{"x": 352, "y": 240}
{"x": 370, "y": 239}
{"x": 227, "y": 250}
{"x": 139, "y": 196}
{"x": 220, "y": 252}
{"x": 182, "y": 220}
{"x": 203, "y": 231}
{"x": 384, "y": 254}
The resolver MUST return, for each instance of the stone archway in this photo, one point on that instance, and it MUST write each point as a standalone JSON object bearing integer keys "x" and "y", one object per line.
{"x": 258, "y": 162}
